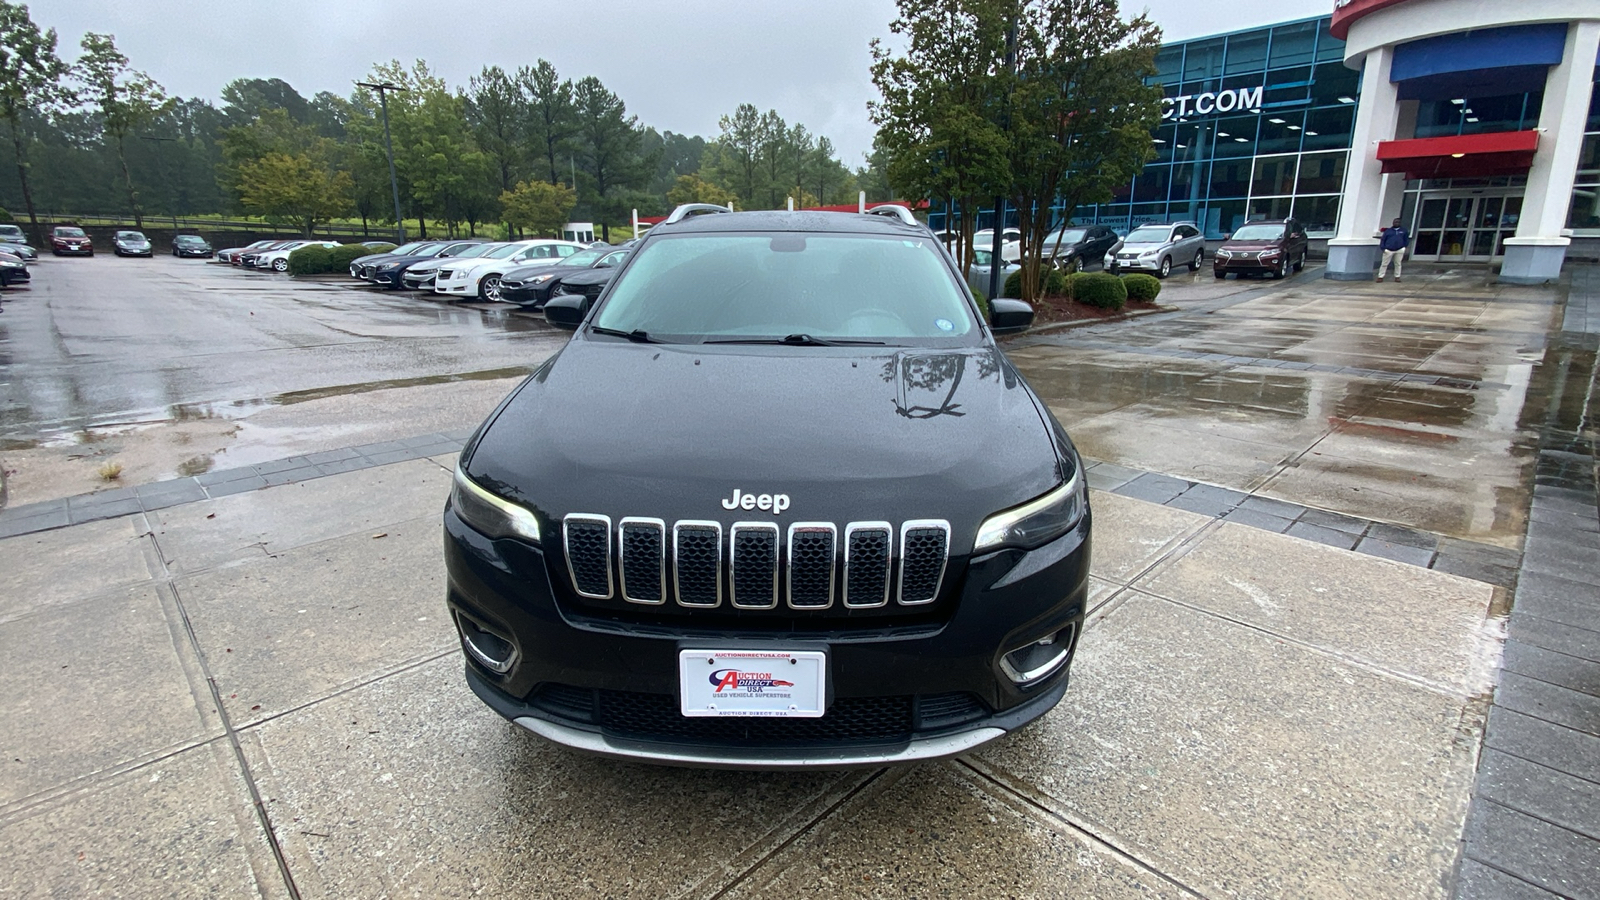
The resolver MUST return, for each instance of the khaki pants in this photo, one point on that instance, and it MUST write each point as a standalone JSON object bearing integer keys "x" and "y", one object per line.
{"x": 1398, "y": 257}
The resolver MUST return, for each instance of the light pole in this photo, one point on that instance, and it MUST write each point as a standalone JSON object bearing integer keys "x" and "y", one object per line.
{"x": 996, "y": 263}
{"x": 388, "y": 143}
{"x": 173, "y": 209}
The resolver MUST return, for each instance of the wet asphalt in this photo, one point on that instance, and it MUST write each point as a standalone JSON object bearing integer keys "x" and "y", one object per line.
{"x": 105, "y": 341}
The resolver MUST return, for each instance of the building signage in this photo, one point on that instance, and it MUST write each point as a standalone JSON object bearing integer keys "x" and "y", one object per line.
{"x": 1211, "y": 103}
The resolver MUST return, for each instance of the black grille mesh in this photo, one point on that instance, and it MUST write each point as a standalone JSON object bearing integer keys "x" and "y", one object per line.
{"x": 944, "y": 710}
{"x": 851, "y": 720}
{"x": 642, "y": 547}
{"x": 698, "y": 553}
{"x": 589, "y": 555}
{"x": 922, "y": 562}
{"x": 755, "y": 561}
{"x": 811, "y": 568}
{"x": 867, "y": 574}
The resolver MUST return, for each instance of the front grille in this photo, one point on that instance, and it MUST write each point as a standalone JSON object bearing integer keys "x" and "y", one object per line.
{"x": 945, "y": 710}
{"x": 697, "y": 563}
{"x": 588, "y": 548}
{"x": 758, "y": 564}
{"x": 754, "y": 567}
{"x": 445, "y": 273}
{"x": 866, "y": 564}
{"x": 850, "y": 720}
{"x": 591, "y": 290}
{"x": 924, "y": 547}
{"x": 811, "y": 565}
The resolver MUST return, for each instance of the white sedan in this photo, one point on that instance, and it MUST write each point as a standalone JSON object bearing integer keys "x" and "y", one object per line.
{"x": 479, "y": 276}
{"x": 278, "y": 260}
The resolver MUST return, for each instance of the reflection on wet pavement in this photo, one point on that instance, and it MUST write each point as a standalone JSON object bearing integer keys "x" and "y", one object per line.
{"x": 1402, "y": 406}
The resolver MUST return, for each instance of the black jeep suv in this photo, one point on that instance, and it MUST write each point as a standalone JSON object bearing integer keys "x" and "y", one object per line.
{"x": 779, "y": 502}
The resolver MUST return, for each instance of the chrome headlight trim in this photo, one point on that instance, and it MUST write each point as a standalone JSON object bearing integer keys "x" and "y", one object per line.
{"x": 1067, "y": 501}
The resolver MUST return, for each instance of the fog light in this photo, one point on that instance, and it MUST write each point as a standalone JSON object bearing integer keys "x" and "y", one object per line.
{"x": 495, "y": 652}
{"x": 1040, "y": 659}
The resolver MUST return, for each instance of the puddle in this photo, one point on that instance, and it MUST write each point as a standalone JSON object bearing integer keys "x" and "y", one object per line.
{"x": 196, "y": 465}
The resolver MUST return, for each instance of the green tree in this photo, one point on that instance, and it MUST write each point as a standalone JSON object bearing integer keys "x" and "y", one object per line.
{"x": 694, "y": 189}
{"x": 552, "y": 116}
{"x": 298, "y": 189}
{"x": 244, "y": 99}
{"x": 538, "y": 207}
{"x": 610, "y": 141}
{"x": 497, "y": 110}
{"x": 125, "y": 99}
{"x": 271, "y": 131}
{"x": 30, "y": 78}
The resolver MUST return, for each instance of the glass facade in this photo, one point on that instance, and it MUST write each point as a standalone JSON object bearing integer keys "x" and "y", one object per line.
{"x": 1257, "y": 124}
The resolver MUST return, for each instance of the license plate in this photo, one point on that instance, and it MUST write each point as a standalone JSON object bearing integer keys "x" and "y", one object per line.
{"x": 771, "y": 683}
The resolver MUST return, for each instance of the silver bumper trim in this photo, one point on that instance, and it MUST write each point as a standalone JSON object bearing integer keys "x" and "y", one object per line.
{"x": 916, "y": 751}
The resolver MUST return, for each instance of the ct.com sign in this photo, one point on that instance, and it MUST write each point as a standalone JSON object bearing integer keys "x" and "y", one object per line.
{"x": 1211, "y": 103}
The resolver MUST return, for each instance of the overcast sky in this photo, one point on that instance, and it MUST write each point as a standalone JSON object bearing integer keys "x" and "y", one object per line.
{"x": 678, "y": 64}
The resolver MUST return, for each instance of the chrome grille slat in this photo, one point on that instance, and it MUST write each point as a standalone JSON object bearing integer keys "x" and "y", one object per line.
{"x": 868, "y": 549}
{"x": 586, "y": 542}
{"x": 924, "y": 553}
{"x": 642, "y": 560}
{"x": 812, "y": 549}
{"x": 753, "y": 564}
{"x": 697, "y": 563}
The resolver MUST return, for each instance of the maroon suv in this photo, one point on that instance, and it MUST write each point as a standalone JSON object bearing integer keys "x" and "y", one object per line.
{"x": 1262, "y": 248}
{"x": 70, "y": 239}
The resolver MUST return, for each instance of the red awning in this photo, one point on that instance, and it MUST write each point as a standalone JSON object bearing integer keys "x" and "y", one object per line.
{"x": 1461, "y": 156}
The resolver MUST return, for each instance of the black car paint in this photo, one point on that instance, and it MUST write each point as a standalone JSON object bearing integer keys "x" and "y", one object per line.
{"x": 1091, "y": 251}
{"x": 394, "y": 266}
{"x": 612, "y": 427}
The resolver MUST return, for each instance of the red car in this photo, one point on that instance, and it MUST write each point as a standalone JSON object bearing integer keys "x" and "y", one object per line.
{"x": 69, "y": 240}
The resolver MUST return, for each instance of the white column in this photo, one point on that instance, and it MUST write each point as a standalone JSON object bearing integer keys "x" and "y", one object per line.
{"x": 1353, "y": 253}
{"x": 1535, "y": 255}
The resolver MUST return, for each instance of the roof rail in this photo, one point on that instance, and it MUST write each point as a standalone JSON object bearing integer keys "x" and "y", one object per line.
{"x": 895, "y": 210}
{"x": 694, "y": 209}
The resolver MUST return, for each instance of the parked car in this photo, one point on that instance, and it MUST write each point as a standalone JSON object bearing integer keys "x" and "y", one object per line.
{"x": 480, "y": 276}
{"x": 740, "y": 521}
{"x": 1010, "y": 242}
{"x": 390, "y": 273}
{"x": 231, "y": 255}
{"x": 277, "y": 259}
{"x": 1074, "y": 248}
{"x": 1157, "y": 248}
{"x": 192, "y": 245}
{"x": 13, "y": 268}
{"x": 239, "y": 259}
{"x": 531, "y": 286}
{"x": 131, "y": 243}
{"x": 1263, "y": 248}
{"x": 978, "y": 272}
{"x": 70, "y": 240}
{"x": 588, "y": 283}
{"x": 12, "y": 240}
{"x": 419, "y": 276}
{"x": 360, "y": 266}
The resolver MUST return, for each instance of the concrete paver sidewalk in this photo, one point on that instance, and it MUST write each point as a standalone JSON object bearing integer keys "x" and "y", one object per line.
{"x": 1224, "y": 735}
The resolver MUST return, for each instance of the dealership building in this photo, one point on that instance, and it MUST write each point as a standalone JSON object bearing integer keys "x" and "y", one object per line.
{"x": 1474, "y": 122}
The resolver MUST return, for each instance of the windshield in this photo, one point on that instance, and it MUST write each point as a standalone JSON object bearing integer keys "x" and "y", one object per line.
{"x": 477, "y": 251}
{"x": 405, "y": 249}
{"x": 459, "y": 249}
{"x": 426, "y": 249}
{"x": 129, "y": 236}
{"x": 1148, "y": 236}
{"x": 582, "y": 258}
{"x": 982, "y": 257}
{"x": 189, "y": 239}
{"x": 1066, "y": 237}
{"x": 69, "y": 232}
{"x": 1259, "y": 233}
{"x": 501, "y": 251}
{"x": 10, "y": 230}
{"x": 834, "y": 286}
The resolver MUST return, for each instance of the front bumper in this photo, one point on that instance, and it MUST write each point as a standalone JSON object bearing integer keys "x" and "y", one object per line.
{"x": 199, "y": 254}
{"x": 80, "y": 250}
{"x": 456, "y": 288}
{"x": 525, "y": 296}
{"x": 390, "y": 279}
{"x": 1245, "y": 265}
{"x": 416, "y": 282}
{"x": 10, "y": 276}
{"x": 1134, "y": 265}
{"x": 571, "y": 669}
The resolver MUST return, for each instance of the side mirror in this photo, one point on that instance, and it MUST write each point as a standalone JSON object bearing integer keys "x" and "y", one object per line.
{"x": 566, "y": 311}
{"x": 1007, "y": 316}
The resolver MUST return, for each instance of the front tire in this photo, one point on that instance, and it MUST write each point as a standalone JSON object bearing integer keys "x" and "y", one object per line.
{"x": 280, "y": 265}
{"x": 1282, "y": 270}
{"x": 489, "y": 288}
{"x": 1166, "y": 267}
{"x": 1199, "y": 257}
{"x": 1300, "y": 266}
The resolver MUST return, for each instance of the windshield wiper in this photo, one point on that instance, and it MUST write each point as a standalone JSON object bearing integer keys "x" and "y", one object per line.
{"x": 636, "y": 335}
{"x": 797, "y": 340}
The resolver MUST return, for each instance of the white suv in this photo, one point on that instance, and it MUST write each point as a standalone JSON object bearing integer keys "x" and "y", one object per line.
{"x": 479, "y": 276}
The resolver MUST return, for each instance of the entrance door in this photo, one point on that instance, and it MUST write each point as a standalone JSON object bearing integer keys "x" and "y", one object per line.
{"x": 1461, "y": 227}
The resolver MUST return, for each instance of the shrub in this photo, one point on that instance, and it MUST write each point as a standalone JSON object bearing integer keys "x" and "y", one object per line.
{"x": 983, "y": 303}
{"x": 339, "y": 258}
{"x": 311, "y": 260}
{"x": 1100, "y": 289}
{"x": 1141, "y": 286}
{"x": 1051, "y": 284}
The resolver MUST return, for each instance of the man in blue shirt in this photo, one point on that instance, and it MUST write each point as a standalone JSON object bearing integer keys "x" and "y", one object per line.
{"x": 1394, "y": 243}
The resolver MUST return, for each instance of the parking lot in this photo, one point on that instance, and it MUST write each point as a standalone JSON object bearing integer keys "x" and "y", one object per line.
{"x": 1310, "y": 506}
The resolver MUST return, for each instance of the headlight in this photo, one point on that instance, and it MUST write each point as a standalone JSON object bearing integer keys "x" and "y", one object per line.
{"x": 540, "y": 279}
{"x": 1268, "y": 254}
{"x": 491, "y": 515}
{"x": 1224, "y": 254}
{"x": 10, "y": 264}
{"x": 1037, "y": 522}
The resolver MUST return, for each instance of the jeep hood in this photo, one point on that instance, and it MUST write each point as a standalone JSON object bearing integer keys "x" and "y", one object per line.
{"x": 850, "y": 434}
